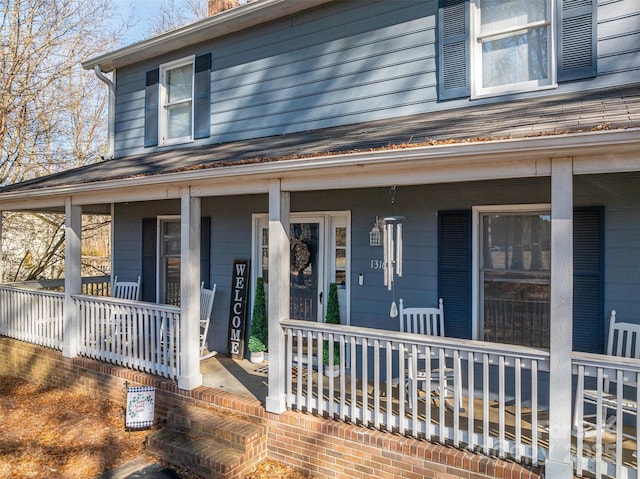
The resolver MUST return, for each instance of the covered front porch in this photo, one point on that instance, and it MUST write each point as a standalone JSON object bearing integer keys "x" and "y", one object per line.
{"x": 500, "y": 400}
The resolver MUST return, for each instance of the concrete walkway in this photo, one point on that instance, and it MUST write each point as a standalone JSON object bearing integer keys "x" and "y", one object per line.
{"x": 141, "y": 467}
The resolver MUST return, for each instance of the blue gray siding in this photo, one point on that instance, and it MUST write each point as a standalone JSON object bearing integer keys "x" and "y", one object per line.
{"x": 231, "y": 225}
{"x": 619, "y": 40}
{"x": 345, "y": 62}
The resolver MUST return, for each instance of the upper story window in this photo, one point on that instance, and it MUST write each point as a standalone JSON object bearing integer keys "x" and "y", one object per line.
{"x": 496, "y": 47}
{"x": 512, "y": 46}
{"x": 176, "y": 98}
{"x": 177, "y": 101}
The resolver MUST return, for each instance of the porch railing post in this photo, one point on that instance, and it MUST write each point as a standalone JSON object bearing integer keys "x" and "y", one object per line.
{"x": 279, "y": 204}
{"x": 189, "y": 347}
{"x": 559, "y": 464}
{"x": 72, "y": 278}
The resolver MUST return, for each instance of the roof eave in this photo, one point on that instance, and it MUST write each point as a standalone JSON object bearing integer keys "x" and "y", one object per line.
{"x": 224, "y": 23}
{"x": 606, "y": 143}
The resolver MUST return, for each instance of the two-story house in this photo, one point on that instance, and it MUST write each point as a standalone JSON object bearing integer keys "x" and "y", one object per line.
{"x": 486, "y": 152}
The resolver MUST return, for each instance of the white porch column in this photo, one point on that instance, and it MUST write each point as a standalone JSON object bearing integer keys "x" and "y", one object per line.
{"x": 190, "y": 376}
{"x": 559, "y": 465}
{"x": 72, "y": 277}
{"x": 279, "y": 206}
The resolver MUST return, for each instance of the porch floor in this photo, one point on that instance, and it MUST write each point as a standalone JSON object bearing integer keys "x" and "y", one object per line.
{"x": 238, "y": 377}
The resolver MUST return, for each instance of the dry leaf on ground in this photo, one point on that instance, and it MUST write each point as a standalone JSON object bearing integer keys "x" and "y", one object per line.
{"x": 52, "y": 432}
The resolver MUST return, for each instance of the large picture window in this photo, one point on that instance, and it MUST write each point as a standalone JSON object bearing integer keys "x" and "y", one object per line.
{"x": 515, "y": 276}
{"x": 512, "y": 46}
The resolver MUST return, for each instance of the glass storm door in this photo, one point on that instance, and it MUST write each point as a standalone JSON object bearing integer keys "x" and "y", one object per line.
{"x": 304, "y": 271}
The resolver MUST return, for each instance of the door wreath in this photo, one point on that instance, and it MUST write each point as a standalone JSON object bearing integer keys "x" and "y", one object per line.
{"x": 301, "y": 254}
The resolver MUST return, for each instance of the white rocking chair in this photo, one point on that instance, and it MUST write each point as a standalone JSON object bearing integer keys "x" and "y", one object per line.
{"x": 206, "y": 306}
{"x": 126, "y": 289}
{"x": 428, "y": 321}
{"x": 623, "y": 341}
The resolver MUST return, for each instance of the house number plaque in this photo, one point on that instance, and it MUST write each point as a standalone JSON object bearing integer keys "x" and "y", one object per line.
{"x": 238, "y": 308}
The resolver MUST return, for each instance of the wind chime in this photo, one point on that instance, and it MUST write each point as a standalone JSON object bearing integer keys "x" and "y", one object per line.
{"x": 392, "y": 246}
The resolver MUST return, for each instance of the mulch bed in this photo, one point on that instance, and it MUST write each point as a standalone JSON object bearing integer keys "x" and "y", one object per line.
{"x": 51, "y": 432}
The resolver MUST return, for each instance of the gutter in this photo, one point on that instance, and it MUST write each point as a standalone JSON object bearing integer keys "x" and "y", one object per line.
{"x": 111, "y": 112}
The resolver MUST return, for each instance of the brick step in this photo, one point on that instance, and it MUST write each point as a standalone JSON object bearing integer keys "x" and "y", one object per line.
{"x": 210, "y": 444}
{"x": 206, "y": 457}
{"x": 230, "y": 430}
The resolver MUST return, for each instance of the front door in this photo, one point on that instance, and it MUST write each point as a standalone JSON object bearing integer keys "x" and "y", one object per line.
{"x": 319, "y": 256}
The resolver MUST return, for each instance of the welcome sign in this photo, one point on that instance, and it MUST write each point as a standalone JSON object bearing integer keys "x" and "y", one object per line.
{"x": 238, "y": 307}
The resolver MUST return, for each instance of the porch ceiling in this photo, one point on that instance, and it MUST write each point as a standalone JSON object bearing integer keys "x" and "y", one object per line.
{"x": 499, "y": 140}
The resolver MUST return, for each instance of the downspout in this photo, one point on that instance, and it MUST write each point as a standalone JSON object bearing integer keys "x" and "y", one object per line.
{"x": 112, "y": 109}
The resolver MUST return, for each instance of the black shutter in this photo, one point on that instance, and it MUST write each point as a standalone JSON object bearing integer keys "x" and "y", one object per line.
{"x": 454, "y": 271}
{"x": 151, "y": 97}
{"x": 149, "y": 241}
{"x": 453, "y": 49}
{"x": 577, "y": 39}
{"x": 205, "y": 250}
{"x": 588, "y": 280}
{"x": 202, "y": 97}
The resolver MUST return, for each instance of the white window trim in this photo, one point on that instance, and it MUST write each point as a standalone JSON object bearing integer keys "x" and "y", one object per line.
{"x": 477, "y": 211}
{"x": 162, "y": 111}
{"x": 476, "y": 56}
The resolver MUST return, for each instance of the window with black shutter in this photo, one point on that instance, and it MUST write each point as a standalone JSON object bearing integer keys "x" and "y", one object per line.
{"x": 508, "y": 43}
{"x": 178, "y": 101}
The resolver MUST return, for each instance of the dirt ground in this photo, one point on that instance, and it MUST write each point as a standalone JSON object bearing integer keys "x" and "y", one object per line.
{"x": 53, "y": 433}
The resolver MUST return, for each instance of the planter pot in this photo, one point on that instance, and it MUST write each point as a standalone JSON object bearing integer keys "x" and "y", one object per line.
{"x": 256, "y": 357}
{"x": 332, "y": 371}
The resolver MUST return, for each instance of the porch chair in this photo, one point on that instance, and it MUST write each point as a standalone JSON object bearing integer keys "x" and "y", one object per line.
{"x": 624, "y": 342}
{"x": 429, "y": 321}
{"x": 206, "y": 305}
{"x": 126, "y": 289}
{"x": 129, "y": 290}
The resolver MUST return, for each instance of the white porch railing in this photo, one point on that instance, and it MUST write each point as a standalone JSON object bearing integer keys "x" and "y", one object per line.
{"x": 134, "y": 334}
{"x": 499, "y": 411}
{"x": 607, "y": 423}
{"x": 494, "y": 402}
{"x": 32, "y": 316}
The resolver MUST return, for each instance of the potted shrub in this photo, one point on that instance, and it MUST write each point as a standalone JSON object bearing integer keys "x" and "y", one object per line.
{"x": 259, "y": 333}
{"x": 332, "y": 317}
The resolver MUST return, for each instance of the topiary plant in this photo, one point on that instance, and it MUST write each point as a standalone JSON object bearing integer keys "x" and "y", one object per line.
{"x": 259, "y": 334}
{"x": 332, "y": 317}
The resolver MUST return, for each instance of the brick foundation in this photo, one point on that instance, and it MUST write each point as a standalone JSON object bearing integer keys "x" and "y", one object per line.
{"x": 319, "y": 446}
